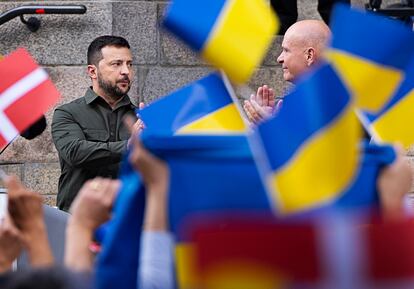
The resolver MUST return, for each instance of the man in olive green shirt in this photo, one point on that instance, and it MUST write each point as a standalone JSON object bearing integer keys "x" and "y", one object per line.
{"x": 88, "y": 132}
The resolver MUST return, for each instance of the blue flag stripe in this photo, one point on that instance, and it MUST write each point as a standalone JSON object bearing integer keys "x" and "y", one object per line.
{"x": 187, "y": 105}
{"x": 373, "y": 32}
{"x": 193, "y": 20}
{"x": 318, "y": 108}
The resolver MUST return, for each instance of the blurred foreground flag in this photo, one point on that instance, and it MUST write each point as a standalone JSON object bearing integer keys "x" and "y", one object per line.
{"x": 392, "y": 123}
{"x": 26, "y": 93}
{"x": 312, "y": 146}
{"x": 371, "y": 54}
{"x": 336, "y": 252}
{"x": 231, "y": 34}
{"x": 205, "y": 106}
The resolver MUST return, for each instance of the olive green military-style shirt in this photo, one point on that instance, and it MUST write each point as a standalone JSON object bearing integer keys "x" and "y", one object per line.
{"x": 90, "y": 138}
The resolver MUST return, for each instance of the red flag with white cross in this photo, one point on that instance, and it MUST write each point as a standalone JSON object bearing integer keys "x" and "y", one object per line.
{"x": 26, "y": 93}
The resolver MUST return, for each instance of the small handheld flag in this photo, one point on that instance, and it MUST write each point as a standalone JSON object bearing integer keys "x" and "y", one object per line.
{"x": 231, "y": 34}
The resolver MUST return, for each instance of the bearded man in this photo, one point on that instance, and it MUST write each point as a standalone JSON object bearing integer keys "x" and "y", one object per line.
{"x": 88, "y": 132}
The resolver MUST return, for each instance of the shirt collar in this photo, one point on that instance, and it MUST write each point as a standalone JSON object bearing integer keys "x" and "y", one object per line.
{"x": 90, "y": 96}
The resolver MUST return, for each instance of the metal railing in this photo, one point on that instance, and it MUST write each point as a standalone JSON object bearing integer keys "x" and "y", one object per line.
{"x": 33, "y": 23}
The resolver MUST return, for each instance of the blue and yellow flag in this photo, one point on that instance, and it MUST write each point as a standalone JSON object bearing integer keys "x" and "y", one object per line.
{"x": 370, "y": 53}
{"x": 312, "y": 145}
{"x": 392, "y": 122}
{"x": 204, "y": 107}
{"x": 230, "y": 34}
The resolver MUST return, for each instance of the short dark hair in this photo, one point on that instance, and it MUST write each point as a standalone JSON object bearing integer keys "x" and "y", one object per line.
{"x": 95, "y": 48}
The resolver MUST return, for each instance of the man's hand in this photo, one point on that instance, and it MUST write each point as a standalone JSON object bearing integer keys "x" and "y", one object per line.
{"x": 10, "y": 243}
{"x": 137, "y": 127}
{"x": 92, "y": 207}
{"x": 265, "y": 96}
{"x": 393, "y": 183}
{"x": 262, "y": 105}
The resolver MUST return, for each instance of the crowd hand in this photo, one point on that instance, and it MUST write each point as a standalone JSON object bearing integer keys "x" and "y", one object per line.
{"x": 26, "y": 212}
{"x": 10, "y": 243}
{"x": 92, "y": 207}
{"x": 260, "y": 106}
{"x": 394, "y": 182}
{"x": 155, "y": 175}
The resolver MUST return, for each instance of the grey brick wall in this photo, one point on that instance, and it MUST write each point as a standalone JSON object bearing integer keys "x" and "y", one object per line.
{"x": 162, "y": 64}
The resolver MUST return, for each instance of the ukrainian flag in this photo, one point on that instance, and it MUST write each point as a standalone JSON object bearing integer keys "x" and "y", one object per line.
{"x": 231, "y": 34}
{"x": 390, "y": 124}
{"x": 370, "y": 53}
{"x": 205, "y": 106}
{"x": 312, "y": 145}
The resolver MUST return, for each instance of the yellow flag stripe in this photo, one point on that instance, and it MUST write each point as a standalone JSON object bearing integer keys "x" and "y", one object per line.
{"x": 234, "y": 273}
{"x": 187, "y": 276}
{"x": 243, "y": 274}
{"x": 392, "y": 125}
{"x": 371, "y": 84}
{"x": 322, "y": 168}
{"x": 240, "y": 37}
{"x": 222, "y": 121}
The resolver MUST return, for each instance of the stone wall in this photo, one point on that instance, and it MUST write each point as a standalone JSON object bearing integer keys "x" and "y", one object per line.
{"x": 162, "y": 64}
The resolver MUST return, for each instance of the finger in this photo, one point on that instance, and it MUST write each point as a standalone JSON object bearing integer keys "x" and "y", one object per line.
{"x": 259, "y": 95}
{"x": 272, "y": 97}
{"x": 141, "y": 105}
{"x": 259, "y": 112}
{"x": 254, "y": 115}
{"x": 265, "y": 96}
{"x": 247, "y": 109}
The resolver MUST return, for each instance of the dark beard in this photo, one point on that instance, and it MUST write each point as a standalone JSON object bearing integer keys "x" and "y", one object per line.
{"x": 112, "y": 91}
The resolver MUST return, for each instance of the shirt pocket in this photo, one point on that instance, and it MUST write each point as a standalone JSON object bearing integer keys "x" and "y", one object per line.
{"x": 97, "y": 135}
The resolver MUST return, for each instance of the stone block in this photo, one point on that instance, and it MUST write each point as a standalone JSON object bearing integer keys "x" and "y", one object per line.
{"x": 137, "y": 22}
{"x": 274, "y": 51}
{"x": 40, "y": 149}
{"x": 172, "y": 50}
{"x": 12, "y": 169}
{"x": 49, "y": 200}
{"x": 308, "y": 10}
{"x": 61, "y": 39}
{"x": 159, "y": 81}
{"x": 42, "y": 178}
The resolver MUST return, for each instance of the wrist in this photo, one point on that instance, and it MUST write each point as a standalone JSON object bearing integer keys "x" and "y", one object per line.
{"x": 79, "y": 228}
{"x": 35, "y": 232}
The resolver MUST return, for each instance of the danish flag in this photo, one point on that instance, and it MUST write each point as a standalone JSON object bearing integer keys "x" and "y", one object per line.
{"x": 26, "y": 93}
